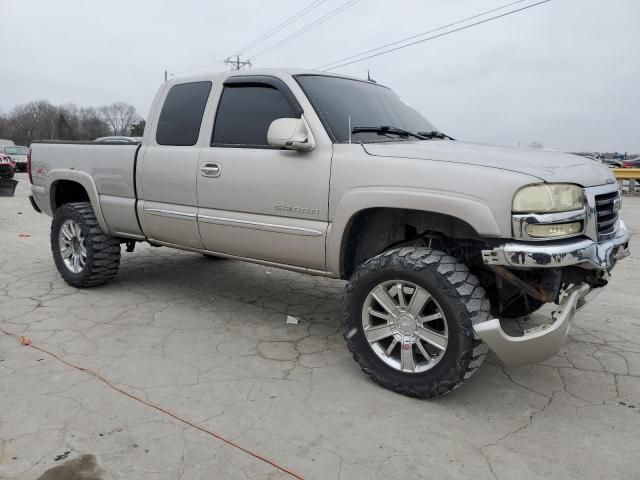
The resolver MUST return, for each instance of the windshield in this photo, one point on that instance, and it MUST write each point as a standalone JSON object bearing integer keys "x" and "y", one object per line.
{"x": 336, "y": 100}
{"x": 16, "y": 150}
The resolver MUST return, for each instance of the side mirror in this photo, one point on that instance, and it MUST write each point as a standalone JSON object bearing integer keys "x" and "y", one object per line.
{"x": 290, "y": 133}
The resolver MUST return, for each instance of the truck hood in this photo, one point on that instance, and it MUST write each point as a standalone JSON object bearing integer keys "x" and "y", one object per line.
{"x": 545, "y": 165}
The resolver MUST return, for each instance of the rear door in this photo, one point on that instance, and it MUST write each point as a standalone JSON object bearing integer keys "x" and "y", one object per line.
{"x": 168, "y": 166}
{"x": 257, "y": 201}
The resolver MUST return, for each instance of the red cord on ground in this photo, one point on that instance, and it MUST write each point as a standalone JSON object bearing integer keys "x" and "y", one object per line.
{"x": 26, "y": 341}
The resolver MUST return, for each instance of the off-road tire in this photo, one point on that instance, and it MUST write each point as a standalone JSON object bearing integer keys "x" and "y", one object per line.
{"x": 103, "y": 251}
{"x": 459, "y": 294}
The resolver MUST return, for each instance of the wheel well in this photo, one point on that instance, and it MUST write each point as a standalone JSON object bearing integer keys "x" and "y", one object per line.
{"x": 374, "y": 230}
{"x": 67, "y": 191}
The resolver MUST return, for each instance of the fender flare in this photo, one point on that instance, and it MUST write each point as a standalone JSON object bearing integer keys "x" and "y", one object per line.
{"x": 471, "y": 210}
{"x": 87, "y": 183}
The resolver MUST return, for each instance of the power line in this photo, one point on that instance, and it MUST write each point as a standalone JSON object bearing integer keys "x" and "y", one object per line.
{"x": 304, "y": 29}
{"x": 263, "y": 37}
{"x": 421, "y": 34}
{"x": 435, "y": 36}
{"x": 221, "y": 61}
{"x": 280, "y": 26}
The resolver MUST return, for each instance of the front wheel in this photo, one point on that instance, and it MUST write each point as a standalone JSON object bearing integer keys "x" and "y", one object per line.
{"x": 408, "y": 317}
{"x": 83, "y": 254}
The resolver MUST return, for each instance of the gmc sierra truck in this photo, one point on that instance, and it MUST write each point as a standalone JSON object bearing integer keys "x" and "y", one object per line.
{"x": 441, "y": 242}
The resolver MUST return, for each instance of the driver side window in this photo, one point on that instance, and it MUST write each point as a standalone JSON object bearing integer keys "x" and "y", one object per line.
{"x": 245, "y": 112}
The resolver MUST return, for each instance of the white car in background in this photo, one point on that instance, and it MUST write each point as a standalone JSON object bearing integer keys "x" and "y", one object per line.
{"x": 18, "y": 155}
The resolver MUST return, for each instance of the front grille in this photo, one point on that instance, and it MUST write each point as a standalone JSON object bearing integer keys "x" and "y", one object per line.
{"x": 607, "y": 206}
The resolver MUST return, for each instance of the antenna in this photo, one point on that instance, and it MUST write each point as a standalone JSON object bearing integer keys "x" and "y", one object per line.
{"x": 369, "y": 79}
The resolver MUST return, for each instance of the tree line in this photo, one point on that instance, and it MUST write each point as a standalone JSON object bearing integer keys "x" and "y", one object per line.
{"x": 41, "y": 120}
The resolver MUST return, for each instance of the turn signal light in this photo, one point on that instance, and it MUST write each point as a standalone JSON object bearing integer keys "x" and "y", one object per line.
{"x": 554, "y": 230}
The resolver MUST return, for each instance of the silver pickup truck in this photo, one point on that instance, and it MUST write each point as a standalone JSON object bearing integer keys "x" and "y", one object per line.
{"x": 441, "y": 241}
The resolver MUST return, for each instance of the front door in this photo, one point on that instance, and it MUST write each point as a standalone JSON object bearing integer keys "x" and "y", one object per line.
{"x": 257, "y": 201}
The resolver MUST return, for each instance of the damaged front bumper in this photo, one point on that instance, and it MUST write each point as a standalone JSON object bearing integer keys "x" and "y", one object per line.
{"x": 542, "y": 342}
{"x": 582, "y": 252}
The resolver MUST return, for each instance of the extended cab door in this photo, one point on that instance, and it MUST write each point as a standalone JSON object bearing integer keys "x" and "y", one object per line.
{"x": 168, "y": 166}
{"x": 257, "y": 201}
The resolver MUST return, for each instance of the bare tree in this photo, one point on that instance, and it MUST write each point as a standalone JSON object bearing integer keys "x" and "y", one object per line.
{"x": 33, "y": 121}
{"x": 4, "y": 126}
{"x": 40, "y": 120}
{"x": 91, "y": 124}
{"x": 119, "y": 116}
{"x": 137, "y": 129}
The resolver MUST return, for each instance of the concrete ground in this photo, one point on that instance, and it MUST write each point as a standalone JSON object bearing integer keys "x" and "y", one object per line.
{"x": 207, "y": 339}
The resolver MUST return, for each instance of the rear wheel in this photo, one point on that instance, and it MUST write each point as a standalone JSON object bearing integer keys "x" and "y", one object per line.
{"x": 408, "y": 320}
{"x": 83, "y": 254}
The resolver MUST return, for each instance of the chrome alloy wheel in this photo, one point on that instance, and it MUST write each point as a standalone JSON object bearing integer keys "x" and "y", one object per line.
{"x": 405, "y": 326}
{"x": 72, "y": 247}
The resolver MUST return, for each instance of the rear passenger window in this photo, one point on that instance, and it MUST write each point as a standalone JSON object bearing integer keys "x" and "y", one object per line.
{"x": 245, "y": 113}
{"x": 181, "y": 114}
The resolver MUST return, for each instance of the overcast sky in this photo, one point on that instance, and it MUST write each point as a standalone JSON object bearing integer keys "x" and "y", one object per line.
{"x": 566, "y": 73}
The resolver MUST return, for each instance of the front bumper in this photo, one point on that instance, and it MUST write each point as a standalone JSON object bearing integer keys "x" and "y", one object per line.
{"x": 539, "y": 343}
{"x": 542, "y": 342}
{"x": 582, "y": 252}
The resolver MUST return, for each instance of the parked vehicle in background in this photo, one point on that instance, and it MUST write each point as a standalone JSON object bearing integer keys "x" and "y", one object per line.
{"x": 4, "y": 142}
{"x": 18, "y": 155}
{"x": 612, "y": 163}
{"x": 635, "y": 163}
{"x": 7, "y": 167}
{"x": 119, "y": 139}
{"x": 439, "y": 240}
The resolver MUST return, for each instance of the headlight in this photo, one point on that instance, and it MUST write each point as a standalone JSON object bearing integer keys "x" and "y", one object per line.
{"x": 548, "y": 198}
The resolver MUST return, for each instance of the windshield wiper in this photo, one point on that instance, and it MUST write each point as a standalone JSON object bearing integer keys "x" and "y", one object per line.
{"x": 384, "y": 129}
{"x": 435, "y": 134}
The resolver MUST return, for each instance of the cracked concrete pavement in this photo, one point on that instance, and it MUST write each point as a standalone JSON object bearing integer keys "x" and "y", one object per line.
{"x": 207, "y": 339}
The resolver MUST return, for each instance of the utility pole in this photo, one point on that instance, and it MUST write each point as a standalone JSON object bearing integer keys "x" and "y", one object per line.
{"x": 237, "y": 64}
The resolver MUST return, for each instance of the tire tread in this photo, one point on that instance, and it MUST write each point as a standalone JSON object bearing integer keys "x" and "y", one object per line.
{"x": 105, "y": 249}
{"x": 469, "y": 292}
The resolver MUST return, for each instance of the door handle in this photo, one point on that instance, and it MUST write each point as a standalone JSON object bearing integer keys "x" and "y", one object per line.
{"x": 210, "y": 170}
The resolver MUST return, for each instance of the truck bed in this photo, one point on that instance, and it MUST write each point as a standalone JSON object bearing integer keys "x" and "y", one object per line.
{"x": 110, "y": 165}
{"x": 110, "y": 168}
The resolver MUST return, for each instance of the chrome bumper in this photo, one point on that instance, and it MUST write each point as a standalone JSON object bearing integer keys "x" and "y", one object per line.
{"x": 583, "y": 252}
{"x": 539, "y": 343}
